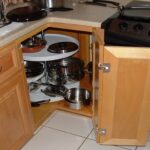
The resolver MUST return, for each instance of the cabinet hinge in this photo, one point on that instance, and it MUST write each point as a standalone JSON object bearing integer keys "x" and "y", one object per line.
{"x": 101, "y": 131}
{"x": 105, "y": 67}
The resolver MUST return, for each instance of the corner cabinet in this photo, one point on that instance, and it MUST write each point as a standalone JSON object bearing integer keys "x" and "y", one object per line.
{"x": 121, "y": 93}
{"x": 16, "y": 122}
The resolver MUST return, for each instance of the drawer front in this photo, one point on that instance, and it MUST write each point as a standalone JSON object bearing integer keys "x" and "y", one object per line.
{"x": 10, "y": 62}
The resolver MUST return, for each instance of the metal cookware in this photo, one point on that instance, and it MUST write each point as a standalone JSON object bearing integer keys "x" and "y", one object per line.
{"x": 33, "y": 68}
{"x": 65, "y": 70}
{"x": 33, "y": 44}
{"x": 53, "y": 5}
{"x": 49, "y": 3}
{"x": 63, "y": 47}
{"x": 77, "y": 97}
{"x": 26, "y": 13}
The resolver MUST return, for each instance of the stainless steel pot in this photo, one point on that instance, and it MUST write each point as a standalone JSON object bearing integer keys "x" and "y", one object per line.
{"x": 77, "y": 97}
{"x": 49, "y": 3}
{"x": 65, "y": 70}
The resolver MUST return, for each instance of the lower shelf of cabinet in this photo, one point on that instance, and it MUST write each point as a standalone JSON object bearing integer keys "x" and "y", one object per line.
{"x": 40, "y": 114}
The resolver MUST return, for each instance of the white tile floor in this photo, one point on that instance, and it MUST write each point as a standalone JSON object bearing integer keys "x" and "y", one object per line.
{"x": 66, "y": 131}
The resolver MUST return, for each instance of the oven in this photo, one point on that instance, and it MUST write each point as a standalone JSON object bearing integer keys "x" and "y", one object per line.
{"x": 130, "y": 26}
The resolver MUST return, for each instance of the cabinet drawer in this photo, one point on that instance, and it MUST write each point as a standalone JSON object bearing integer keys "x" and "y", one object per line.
{"x": 10, "y": 61}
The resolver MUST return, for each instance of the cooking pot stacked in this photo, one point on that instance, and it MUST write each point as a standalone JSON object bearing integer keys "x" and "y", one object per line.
{"x": 59, "y": 75}
{"x": 65, "y": 71}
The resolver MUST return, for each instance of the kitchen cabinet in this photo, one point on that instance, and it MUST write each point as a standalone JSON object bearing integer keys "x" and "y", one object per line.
{"x": 16, "y": 125}
{"x": 121, "y": 93}
{"x": 121, "y": 86}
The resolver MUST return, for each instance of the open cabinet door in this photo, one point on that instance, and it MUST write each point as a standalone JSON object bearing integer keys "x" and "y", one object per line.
{"x": 98, "y": 48}
{"x": 121, "y": 93}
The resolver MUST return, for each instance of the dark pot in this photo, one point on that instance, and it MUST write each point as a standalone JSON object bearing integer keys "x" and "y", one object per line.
{"x": 33, "y": 68}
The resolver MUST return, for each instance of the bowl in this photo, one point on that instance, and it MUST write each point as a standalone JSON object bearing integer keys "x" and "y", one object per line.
{"x": 77, "y": 97}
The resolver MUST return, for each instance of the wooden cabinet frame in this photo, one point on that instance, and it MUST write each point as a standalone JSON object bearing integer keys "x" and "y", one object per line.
{"x": 122, "y": 95}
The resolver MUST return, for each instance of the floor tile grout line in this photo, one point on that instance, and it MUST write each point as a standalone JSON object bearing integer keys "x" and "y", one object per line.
{"x": 64, "y": 131}
{"x": 124, "y": 147}
{"x": 82, "y": 144}
{"x": 89, "y": 135}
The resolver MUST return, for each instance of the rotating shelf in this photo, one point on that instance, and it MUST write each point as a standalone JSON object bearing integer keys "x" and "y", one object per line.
{"x": 45, "y": 55}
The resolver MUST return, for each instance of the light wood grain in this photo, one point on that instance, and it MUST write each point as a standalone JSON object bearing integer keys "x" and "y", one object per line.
{"x": 16, "y": 119}
{"x": 125, "y": 102}
{"x": 15, "y": 115}
{"x": 9, "y": 62}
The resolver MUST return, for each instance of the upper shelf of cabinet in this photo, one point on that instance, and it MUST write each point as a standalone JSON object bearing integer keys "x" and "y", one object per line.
{"x": 46, "y": 55}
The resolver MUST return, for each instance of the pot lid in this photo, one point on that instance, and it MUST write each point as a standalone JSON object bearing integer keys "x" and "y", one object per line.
{"x": 62, "y": 47}
{"x": 27, "y": 13}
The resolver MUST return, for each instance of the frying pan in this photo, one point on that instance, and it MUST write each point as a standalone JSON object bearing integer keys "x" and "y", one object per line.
{"x": 33, "y": 44}
{"x": 26, "y": 13}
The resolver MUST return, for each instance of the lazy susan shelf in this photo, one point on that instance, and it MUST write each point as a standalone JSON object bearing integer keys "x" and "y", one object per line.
{"x": 45, "y": 55}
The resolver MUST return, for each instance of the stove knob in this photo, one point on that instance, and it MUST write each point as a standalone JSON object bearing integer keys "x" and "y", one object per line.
{"x": 138, "y": 27}
{"x": 123, "y": 26}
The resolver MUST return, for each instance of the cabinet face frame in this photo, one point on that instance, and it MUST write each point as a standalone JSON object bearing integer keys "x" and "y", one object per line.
{"x": 97, "y": 79}
{"x": 16, "y": 119}
{"x": 9, "y": 61}
{"x": 122, "y": 98}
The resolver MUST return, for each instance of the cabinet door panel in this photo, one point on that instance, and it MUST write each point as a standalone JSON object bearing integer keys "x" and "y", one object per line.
{"x": 97, "y": 76}
{"x": 121, "y": 97}
{"x": 125, "y": 102}
{"x": 15, "y": 115}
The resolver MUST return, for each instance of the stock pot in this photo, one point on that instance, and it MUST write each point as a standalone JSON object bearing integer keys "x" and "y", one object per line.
{"x": 65, "y": 70}
{"x": 49, "y": 3}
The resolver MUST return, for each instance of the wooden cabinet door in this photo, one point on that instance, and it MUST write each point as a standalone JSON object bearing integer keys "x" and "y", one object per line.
{"x": 122, "y": 95}
{"x": 16, "y": 122}
{"x": 97, "y": 76}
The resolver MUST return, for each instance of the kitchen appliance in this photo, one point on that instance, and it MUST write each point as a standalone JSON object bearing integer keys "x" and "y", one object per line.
{"x": 52, "y": 5}
{"x": 129, "y": 26}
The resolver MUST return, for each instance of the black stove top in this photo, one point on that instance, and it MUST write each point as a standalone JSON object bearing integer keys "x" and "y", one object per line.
{"x": 129, "y": 27}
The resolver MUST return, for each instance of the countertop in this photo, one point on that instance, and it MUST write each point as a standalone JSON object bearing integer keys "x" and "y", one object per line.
{"x": 82, "y": 14}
